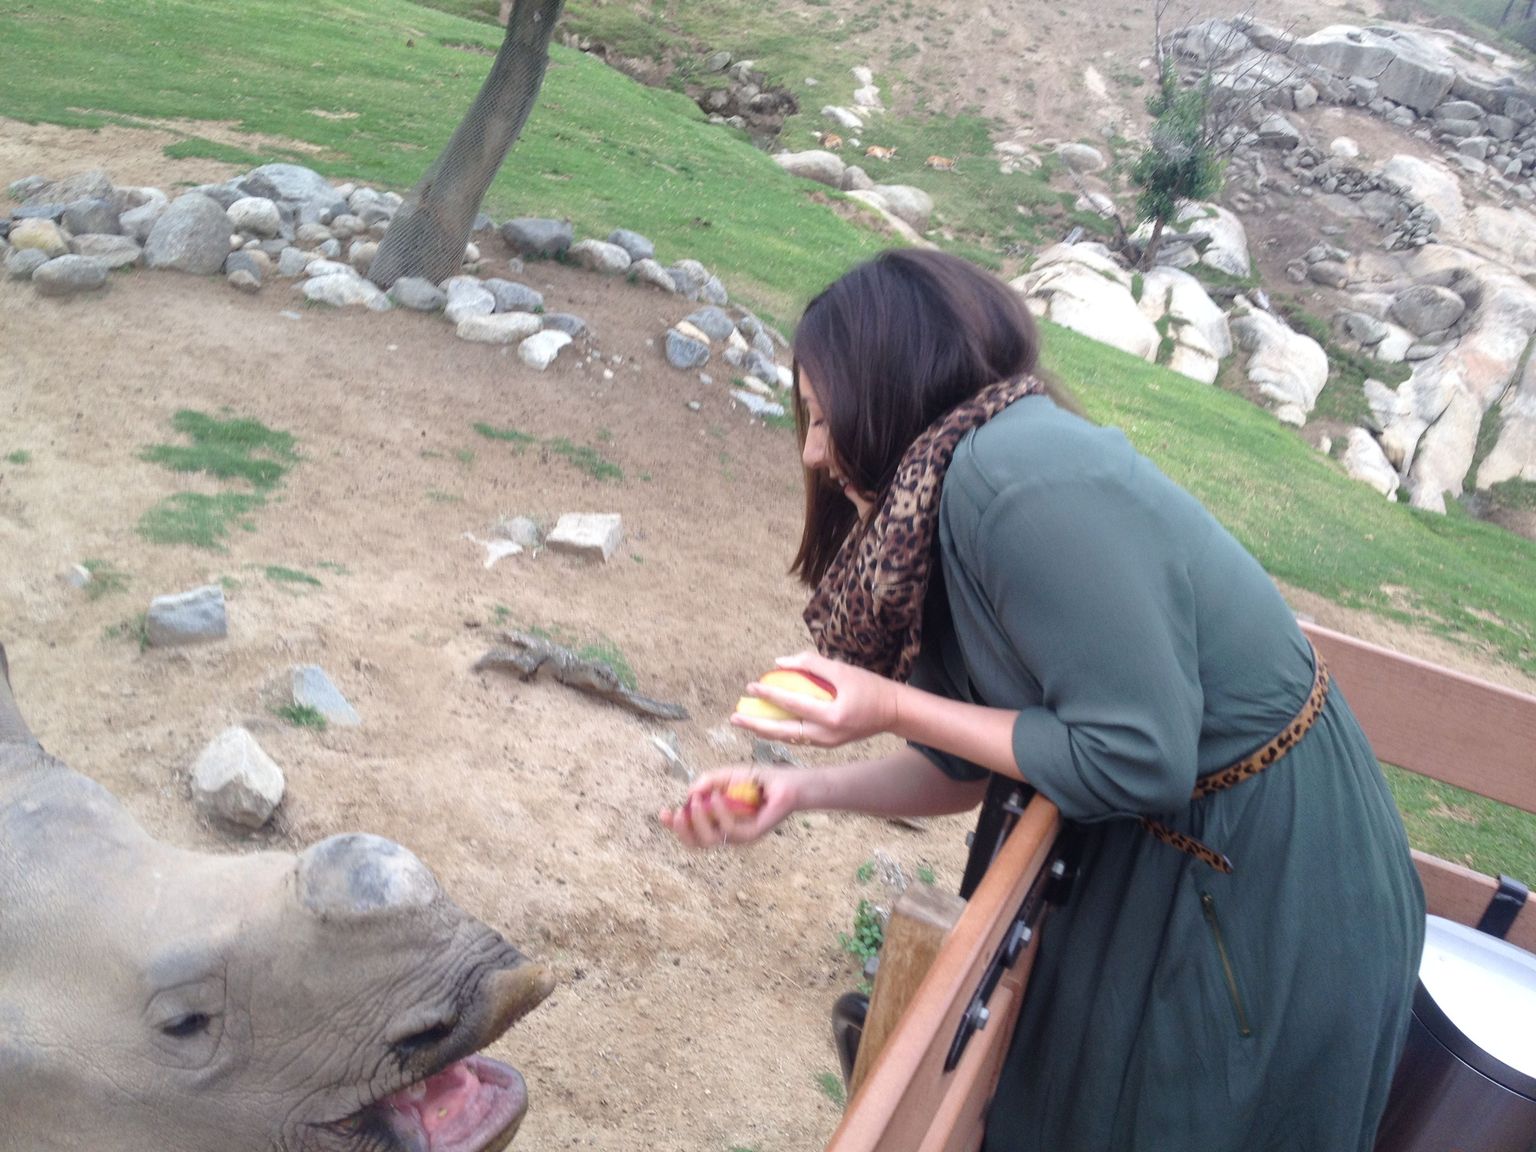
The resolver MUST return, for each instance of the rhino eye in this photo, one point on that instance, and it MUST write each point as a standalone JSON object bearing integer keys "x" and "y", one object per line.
{"x": 192, "y": 1024}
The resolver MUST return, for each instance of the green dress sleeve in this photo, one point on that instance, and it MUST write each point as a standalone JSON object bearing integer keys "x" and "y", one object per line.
{"x": 1085, "y": 588}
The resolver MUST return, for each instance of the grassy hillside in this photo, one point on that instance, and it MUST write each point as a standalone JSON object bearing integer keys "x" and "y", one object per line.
{"x": 371, "y": 95}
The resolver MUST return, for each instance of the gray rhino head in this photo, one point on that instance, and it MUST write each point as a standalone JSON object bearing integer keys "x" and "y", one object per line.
{"x": 159, "y": 1000}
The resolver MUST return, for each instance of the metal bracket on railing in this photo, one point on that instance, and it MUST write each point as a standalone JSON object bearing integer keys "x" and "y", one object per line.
{"x": 1014, "y": 943}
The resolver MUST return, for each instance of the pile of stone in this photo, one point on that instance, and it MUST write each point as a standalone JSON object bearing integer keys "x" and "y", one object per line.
{"x": 284, "y": 221}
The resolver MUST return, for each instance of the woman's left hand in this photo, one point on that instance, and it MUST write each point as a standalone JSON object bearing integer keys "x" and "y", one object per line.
{"x": 864, "y": 705}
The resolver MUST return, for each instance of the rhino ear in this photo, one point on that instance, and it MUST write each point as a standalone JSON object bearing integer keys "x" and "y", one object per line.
{"x": 13, "y": 729}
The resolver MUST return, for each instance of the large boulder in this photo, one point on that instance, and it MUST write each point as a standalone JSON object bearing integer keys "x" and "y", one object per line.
{"x": 1220, "y": 233}
{"x": 1365, "y": 461}
{"x": 1168, "y": 291}
{"x": 1426, "y": 308}
{"x": 817, "y": 164}
{"x": 1068, "y": 286}
{"x": 1436, "y": 186}
{"x": 309, "y": 193}
{"x": 1284, "y": 365}
{"x": 191, "y": 235}
{"x": 1504, "y": 234}
{"x": 1406, "y": 69}
{"x": 1514, "y": 456}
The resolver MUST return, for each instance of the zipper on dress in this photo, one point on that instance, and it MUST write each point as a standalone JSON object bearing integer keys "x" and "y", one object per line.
{"x": 1208, "y": 906}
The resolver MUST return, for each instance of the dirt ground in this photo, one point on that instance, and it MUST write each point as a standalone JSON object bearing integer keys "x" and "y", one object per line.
{"x": 694, "y": 989}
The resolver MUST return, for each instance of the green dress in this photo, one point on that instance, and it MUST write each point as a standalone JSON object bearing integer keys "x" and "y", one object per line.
{"x": 1172, "y": 1008}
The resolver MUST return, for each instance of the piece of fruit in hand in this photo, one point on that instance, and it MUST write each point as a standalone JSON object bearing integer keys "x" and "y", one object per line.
{"x": 744, "y": 796}
{"x": 789, "y": 680}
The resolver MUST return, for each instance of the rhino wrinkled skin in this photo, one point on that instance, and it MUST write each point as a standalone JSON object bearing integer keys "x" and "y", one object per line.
{"x": 159, "y": 1000}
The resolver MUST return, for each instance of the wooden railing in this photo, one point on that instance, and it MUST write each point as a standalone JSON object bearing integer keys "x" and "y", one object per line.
{"x": 1419, "y": 717}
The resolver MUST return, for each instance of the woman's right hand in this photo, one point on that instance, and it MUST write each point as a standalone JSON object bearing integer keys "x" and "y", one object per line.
{"x": 706, "y": 819}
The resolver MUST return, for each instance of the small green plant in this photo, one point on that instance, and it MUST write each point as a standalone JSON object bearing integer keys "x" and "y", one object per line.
{"x": 501, "y": 613}
{"x": 438, "y": 496}
{"x": 925, "y": 874}
{"x": 465, "y": 456}
{"x": 868, "y": 934}
{"x": 232, "y": 449}
{"x": 587, "y": 460}
{"x": 509, "y": 435}
{"x": 865, "y": 872}
{"x": 106, "y": 578}
{"x": 134, "y": 628}
{"x": 281, "y": 575}
{"x": 831, "y": 1085}
{"x": 20, "y": 456}
{"x": 302, "y": 716}
{"x": 604, "y": 651}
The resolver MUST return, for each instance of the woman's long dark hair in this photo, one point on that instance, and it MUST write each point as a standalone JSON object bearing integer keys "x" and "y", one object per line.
{"x": 890, "y": 347}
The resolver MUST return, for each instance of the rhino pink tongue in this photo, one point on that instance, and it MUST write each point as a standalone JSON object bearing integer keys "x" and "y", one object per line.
{"x": 465, "y": 1107}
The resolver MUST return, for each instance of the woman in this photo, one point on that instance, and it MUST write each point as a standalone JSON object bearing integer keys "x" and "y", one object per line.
{"x": 1014, "y": 590}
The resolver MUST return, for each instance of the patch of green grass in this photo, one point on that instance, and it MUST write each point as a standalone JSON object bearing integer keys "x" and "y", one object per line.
{"x": 1514, "y": 493}
{"x": 233, "y": 449}
{"x": 1343, "y": 397}
{"x": 198, "y": 520}
{"x": 438, "y": 496}
{"x": 106, "y": 578}
{"x": 197, "y": 148}
{"x": 865, "y": 872}
{"x": 228, "y": 449}
{"x": 509, "y": 435}
{"x": 302, "y": 716}
{"x": 465, "y": 456}
{"x": 332, "y": 566}
{"x": 1465, "y": 828}
{"x": 584, "y": 459}
{"x": 925, "y": 874}
{"x": 831, "y": 1085}
{"x": 281, "y": 575}
{"x": 20, "y": 456}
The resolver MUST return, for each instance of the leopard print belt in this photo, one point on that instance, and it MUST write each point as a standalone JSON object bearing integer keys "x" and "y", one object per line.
{"x": 1247, "y": 768}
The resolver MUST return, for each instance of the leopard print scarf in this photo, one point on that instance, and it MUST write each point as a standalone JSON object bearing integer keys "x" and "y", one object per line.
{"x": 868, "y": 608}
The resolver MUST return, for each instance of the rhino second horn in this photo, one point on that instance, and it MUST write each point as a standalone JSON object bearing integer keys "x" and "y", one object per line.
{"x": 359, "y": 875}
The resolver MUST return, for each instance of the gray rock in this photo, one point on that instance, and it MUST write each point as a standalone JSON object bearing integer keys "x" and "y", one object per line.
{"x": 1475, "y": 147}
{"x": 360, "y": 255}
{"x": 1406, "y": 70}
{"x": 500, "y": 328}
{"x": 688, "y": 276}
{"x": 235, "y": 781}
{"x": 27, "y": 187}
{"x": 310, "y": 193}
{"x": 907, "y": 203}
{"x": 1457, "y": 110}
{"x": 1501, "y": 127}
{"x": 855, "y": 179}
{"x": 598, "y": 255}
{"x": 638, "y": 247}
{"x": 1459, "y": 129}
{"x": 684, "y": 351}
{"x": 539, "y": 350}
{"x": 418, "y": 295}
{"x": 714, "y": 322}
{"x": 592, "y": 536}
{"x": 312, "y": 688}
{"x": 256, "y": 215}
{"x": 345, "y": 290}
{"x": 21, "y": 263}
{"x": 467, "y": 297}
{"x": 97, "y": 216}
{"x": 331, "y": 249}
{"x": 243, "y": 280}
{"x": 292, "y": 262}
{"x": 511, "y": 296}
{"x": 650, "y": 272}
{"x": 192, "y": 235}
{"x": 755, "y": 404}
{"x": 1080, "y": 158}
{"x": 1424, "y": 308}
{"x": 69, "y": 276}
{"x": 1363, "y": 329}
{"x": 520, "y": 530}
{"x": 1329, "y": 272}
{"x": 342, "y": 228}
{"x": 1278, "y": 132}
{"x": 712, "y": 292}
{"x": 566, "y": 322}
{"x": 254, "y": 264}
{"x": 195, "y": 617}
{"x": 221, "y": 194}
{"x": 112, "y": 251}
{"x": 136, "y": 223}
{"x": 531, "y": 236}
{"x": 815, "y": 164}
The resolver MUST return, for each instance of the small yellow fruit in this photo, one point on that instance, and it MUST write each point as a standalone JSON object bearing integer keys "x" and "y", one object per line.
{"x": 788, "y": 680}
{"x": 744, "y": 796}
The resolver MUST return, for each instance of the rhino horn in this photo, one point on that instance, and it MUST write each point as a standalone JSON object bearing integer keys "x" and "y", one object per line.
{"x": 13, "y": 729}
{"x": 516, "y": 991}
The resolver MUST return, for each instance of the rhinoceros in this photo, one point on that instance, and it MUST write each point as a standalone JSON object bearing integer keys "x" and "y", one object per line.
{"x": 160, "y": 1000}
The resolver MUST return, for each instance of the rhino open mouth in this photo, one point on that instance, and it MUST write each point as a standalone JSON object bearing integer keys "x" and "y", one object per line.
{"x": 473, "y": 1105}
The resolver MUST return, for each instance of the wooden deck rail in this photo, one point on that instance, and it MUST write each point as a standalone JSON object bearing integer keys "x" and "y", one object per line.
{"x": 1419, "y": 717}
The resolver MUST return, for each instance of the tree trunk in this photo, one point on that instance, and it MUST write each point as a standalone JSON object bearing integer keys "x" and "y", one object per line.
{"x": 1508, "y": 8}
{"x": 1150, "y": 253}
{"x": 429, "y": 232}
